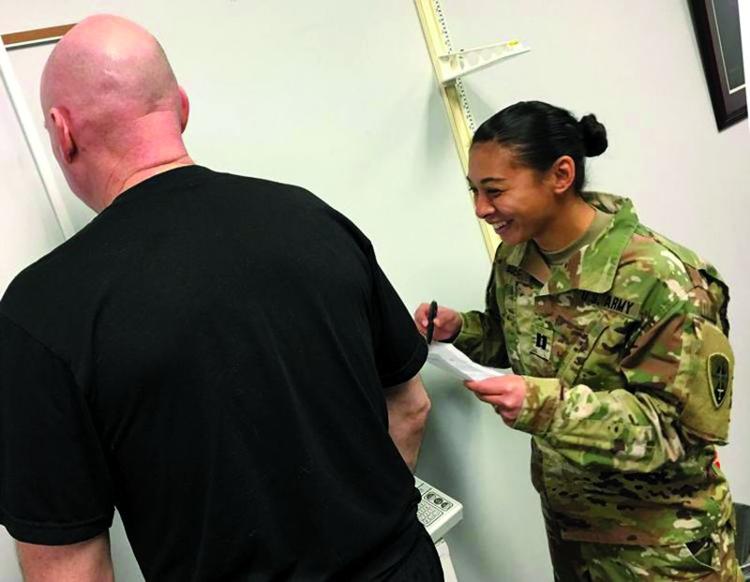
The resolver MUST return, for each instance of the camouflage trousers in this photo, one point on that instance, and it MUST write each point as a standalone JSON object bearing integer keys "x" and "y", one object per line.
{"x": 712, "y": 559}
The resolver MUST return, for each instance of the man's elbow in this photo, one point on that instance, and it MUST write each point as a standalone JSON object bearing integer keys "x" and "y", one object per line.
{"x": 411, "y": 421}
{"x": 421, "y": 411}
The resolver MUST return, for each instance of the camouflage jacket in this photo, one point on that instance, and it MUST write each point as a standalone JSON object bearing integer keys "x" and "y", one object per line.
{"x": 629, "y": 375}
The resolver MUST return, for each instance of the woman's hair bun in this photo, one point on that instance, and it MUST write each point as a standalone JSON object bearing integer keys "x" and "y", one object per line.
{"x": 593, "y": 134}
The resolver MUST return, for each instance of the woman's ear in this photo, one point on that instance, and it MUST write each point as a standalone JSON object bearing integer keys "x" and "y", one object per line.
{"x": 562, "y": 174}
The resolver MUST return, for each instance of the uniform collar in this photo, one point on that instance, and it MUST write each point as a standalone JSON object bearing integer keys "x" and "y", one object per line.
{"x": 594, "y": 266}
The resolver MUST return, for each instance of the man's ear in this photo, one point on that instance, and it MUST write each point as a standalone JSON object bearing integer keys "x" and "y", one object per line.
{"x": 184, "y": 108}
{"x": 64, "y": 140}
{"x": 562, "y": 174}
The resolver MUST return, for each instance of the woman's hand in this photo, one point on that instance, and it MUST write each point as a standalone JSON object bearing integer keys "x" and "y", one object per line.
{"x": 505, "y": 393}
{"x": 447, "y": 322}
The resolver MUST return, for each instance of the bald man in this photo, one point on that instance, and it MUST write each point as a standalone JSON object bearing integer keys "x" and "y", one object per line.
{"x": 219, "y": 357}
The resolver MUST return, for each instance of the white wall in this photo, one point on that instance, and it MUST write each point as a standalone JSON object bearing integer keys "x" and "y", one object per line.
{"x": 339, "y": 96}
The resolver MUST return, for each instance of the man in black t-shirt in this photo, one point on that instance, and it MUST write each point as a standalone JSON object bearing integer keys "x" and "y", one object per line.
{"x": 219, "y": 357}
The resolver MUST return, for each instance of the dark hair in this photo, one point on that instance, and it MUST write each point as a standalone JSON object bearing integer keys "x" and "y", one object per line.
{"x": 539, "y": 133}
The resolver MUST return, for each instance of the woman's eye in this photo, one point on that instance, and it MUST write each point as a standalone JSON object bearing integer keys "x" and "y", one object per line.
{"x": 493, "y": 192}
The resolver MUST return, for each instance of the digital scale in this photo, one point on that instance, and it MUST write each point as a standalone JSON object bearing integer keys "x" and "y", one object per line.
{"x": 437, "y": 511}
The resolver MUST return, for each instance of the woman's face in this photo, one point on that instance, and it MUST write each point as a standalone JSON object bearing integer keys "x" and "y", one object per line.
{"x": 517, "y": 201}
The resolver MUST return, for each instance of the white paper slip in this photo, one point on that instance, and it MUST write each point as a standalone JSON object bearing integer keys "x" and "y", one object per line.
{"x": 448, "y": 358}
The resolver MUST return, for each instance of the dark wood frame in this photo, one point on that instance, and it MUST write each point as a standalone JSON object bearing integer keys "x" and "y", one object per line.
{"x": 729, "y": 108}
{"x": 13, "y": 40}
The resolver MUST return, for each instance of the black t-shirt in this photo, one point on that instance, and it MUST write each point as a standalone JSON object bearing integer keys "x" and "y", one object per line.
{"x": 209, "y": 355}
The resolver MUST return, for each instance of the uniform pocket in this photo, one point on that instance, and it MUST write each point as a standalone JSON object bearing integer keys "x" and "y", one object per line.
{"x": 579, "y": 352}
{"x": 595, "y": 359}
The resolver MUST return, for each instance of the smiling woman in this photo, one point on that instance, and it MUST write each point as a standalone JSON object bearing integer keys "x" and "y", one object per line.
{"x": 527, "y": 169}
{"x": 611, "y": 331}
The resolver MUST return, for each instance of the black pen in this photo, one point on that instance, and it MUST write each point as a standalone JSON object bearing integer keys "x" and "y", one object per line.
{"x": 431, "y": 321}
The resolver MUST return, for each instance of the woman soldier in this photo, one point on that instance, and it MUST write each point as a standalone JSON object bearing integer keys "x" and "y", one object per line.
{"x": 617, "y": 337}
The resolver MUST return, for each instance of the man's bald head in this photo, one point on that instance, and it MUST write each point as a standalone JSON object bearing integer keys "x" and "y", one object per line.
{"x": 109, "y": 88}
{"x": 108, "y": 64}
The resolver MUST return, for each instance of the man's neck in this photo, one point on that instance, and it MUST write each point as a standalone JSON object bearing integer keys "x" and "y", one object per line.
{"x": 119, "y": 182}
{"x": 145, "y": 173}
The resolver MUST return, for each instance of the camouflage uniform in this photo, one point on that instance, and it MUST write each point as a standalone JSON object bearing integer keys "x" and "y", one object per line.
{"x": 629, "y": 375}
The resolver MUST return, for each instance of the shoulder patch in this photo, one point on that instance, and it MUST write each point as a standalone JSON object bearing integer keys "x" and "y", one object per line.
{"x": 718, "y": 378}
{"x": 707, "y": 410}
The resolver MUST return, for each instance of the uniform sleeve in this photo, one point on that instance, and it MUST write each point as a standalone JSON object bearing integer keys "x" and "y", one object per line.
{"x": 481, "y": 336}
{"x": 400, "y": 350}
{"x": 54, "y": 485}
{"x": 678, "y": 392}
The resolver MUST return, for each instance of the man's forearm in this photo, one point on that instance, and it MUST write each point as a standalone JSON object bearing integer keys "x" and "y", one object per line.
{"x": 408, "y": 408}
{"x": 88, "y": 561}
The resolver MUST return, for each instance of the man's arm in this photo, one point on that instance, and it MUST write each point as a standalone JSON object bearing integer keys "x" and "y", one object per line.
{"x": 88, "y": 561}
{"x": 408, "y": 407}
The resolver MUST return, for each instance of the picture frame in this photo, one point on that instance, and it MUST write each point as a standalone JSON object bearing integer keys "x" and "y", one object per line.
{"x": 717, "y": 30}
